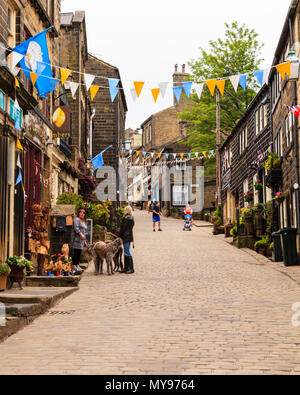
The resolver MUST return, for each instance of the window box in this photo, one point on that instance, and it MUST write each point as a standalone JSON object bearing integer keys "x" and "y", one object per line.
{"x": 274, "y": 177}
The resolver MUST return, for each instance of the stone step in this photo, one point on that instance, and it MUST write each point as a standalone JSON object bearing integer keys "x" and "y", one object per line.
{"x": 23, "y": 310}
{"x": 58, "y": 282}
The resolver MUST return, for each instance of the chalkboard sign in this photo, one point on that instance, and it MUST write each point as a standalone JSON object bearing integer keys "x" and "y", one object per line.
{"x": 89, "y": 232}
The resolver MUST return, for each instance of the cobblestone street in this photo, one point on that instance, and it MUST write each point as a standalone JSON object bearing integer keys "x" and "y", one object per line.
{"x": 196, "y": 305}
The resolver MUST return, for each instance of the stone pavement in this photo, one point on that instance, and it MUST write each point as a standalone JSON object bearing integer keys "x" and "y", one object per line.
{"x": 196, "y": 305}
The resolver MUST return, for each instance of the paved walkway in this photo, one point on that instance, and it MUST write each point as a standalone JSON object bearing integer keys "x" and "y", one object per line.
{"x": 195, "y": 305}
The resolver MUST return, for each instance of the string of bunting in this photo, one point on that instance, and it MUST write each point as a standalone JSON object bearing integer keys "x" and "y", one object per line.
{"x": 197, "y": 155}
{"x": 39, "y": 72}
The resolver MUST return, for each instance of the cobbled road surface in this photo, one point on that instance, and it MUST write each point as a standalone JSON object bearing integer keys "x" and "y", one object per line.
{"x": 196, "y": 305}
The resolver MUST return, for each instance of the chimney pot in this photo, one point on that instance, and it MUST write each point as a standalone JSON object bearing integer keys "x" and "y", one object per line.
{"x": 176, "y": 68}
{"x": 183, "y": 68}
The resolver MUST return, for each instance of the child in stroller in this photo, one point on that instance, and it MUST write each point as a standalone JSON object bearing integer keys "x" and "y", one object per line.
{"x": 188, "y": 223}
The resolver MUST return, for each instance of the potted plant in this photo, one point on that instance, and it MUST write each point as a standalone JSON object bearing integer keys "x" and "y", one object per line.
{"x": 273, "y": 166}
{"x": 261, "y": 246}
{"x": 228, "y": 228}
{"x": 249, "y": 196}
{"x": 4, "y": 273}
{"x": 258, "y": 185}
{"x": 234, "y": 231}
{"x": 247, "y": 217}
{"x": 279, "y": 197}
{"x": 19, "y": 267}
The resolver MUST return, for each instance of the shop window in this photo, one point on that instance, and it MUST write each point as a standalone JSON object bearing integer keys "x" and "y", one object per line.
{"x": 2, "y": 101}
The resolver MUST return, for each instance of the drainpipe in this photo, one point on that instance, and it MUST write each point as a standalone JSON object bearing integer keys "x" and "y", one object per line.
{"x": 91, "y": 133}
{"x": 296, "y": 146}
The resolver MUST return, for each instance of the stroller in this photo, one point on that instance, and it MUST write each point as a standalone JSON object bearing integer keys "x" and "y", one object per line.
{"x": 188, "y": 223}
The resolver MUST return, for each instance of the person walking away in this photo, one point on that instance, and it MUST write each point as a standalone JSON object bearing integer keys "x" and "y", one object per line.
{"x": 78, "y": 240}
{"x": 126, "y": 234}
{"x": 156, "y": 217}
{"x": 188, "y": 211}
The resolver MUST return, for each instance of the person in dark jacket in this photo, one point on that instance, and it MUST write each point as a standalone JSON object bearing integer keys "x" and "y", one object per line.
{"x": 126, "y": 234}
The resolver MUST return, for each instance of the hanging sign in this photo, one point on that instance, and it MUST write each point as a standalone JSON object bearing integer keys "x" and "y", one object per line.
{"x": 61, "y": 120}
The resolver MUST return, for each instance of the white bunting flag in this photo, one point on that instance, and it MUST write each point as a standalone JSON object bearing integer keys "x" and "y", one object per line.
{"x": 235, "y": 79}
{"x": 130, "y": 152}
{"x": 199, "y": 89}
{"x": 133, "y": 94}
{"x": 16, "y": 71}
{"x": 197, "y": 154}
{"x": 89, "y": 79}
{"x": 163, "y": 88}
{"x": 174, "y": 156}
{"x": 16, "y": 105}
{"x": 152, "y": 155}
{"x": 266, "y": 75}
{"x": 16, "y": 58}
{"x": 19, "y": 162}
{"x": 73, "y": 86}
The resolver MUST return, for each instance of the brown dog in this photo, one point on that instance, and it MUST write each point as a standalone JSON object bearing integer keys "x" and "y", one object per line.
{"x": 104, "y": 251}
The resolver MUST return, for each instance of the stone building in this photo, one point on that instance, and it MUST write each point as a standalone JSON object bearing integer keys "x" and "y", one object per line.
{"x": 243, "y": 155}
{"x": 286, "y": 137}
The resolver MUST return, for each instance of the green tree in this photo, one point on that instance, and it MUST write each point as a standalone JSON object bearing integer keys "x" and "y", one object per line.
{"x": 238, "y": 53}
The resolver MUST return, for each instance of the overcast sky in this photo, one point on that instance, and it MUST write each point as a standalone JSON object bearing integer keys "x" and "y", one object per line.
{"x": 145, "y": 39}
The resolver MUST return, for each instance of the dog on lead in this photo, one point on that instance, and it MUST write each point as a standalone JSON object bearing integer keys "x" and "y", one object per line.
{"x": 108, "y": 251}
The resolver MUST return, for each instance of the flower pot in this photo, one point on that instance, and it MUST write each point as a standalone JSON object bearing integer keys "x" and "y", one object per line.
{"x": 3, "y": 282}
{"x": 249, "y": 225}
{"x": 269, "y": 252}
{"x": 16, "y": 275}
{"x": 262, "y": 251}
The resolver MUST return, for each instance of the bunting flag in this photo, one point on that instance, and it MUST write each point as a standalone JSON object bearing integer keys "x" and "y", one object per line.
{"x": 94, "y": 89}
{"x": 159, "y": 156}
{"x": 211, "y": 86}
{"x": 259, "y": 76}
{"x": 243, "y": 81}
{"x": 16, "y": 58}
{"x": 177, "y": 92}
{"x": 167, "y": 156}
{"x": 33, "y": 77}
{"x": 97, "y": 162}
{"x": 17, "y": 125}
{"x": 221, "y": 86}
{"x": 295, "y": 110}
{"x": 144, "y": 154}
{"x": 204, "y": 154}
{"x": 113, "y": 82}
{"x": 137, "y": 153}
{"x": 138, "y": 87}
{"x": 19, "y": 145}
{"x": 266, "y": 75}
{"x": 40, "y": 68}
{"x": 189, "y": 155}
{"x": 133, "y": 94}
{"x": 163, "y": 88}
{"x": 19, "y": 162}
{"x": 152, "y": 155}
{"x": 19, "y": 179}
{"x": 187, "y": 86}
{"x": 64, "y": 75}
{"x": 73, "y": 86}
{"x": 53, "y": 83}
{"x": 182, "y": 155}
{"x": 199, "y": 89}
{"x": 17, "y": 85}
{"x": 174, "y": 156}
{"x": 235, "y": 79}
{"x": 196, "y": 154}
{"x": 89, "y": 79}
{"x": 155, "y": 93}
{"x": 284, "y": 69}
{"x": 35, "y": 50}
{"x": 16, "y": 71}
{"x": 16, "y": 105}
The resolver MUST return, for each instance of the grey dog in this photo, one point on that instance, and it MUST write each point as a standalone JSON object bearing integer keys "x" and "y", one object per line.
{"x": 105, "y": 251}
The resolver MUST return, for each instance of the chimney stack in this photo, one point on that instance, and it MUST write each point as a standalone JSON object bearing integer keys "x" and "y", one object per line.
{"x": 183, "y": 68}
{"x": 176, "y": 68}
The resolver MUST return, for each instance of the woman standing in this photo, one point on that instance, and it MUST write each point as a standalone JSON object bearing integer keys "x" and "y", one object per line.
{"x": 78, "y": 240}
{"x": 126, "y": 234}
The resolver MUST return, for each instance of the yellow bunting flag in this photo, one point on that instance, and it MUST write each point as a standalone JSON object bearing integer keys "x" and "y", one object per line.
{"x": 138, "y": 153}
{"x": 17, "y": 85}
{"x": 94, "y": 89}
{"x": 159, "y": 156}
{"x": 19, "y": 145}
{"x": 283, "y": 69}
{"x": 155, "y": 93}
{"x": 33, "y": 77}
{"x": 221, "y": 86}
{"x": 138, "y": 87}
{"x": 211, "y": 86}
{"x": 204, "y": 154}
{"x": 64, "y": 75}
{"x": 182, "y": 155}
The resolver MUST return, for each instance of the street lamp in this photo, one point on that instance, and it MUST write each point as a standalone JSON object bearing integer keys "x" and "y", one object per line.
{"x": 295, "y": 65}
